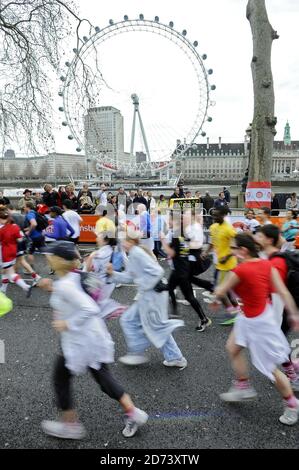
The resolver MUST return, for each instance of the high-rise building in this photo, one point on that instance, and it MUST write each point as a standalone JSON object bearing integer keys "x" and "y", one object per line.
{"x": 104, "y": 134}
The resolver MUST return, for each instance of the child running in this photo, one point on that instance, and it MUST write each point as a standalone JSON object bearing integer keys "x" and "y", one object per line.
{"x": 85, "y": 345}
{"x": 146, "y": 321}
{"x": 9, "y": 237}
{"x": 257, "y": 329}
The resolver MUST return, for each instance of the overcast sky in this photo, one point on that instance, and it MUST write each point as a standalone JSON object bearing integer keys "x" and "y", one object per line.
{"x": 223, "y": 33}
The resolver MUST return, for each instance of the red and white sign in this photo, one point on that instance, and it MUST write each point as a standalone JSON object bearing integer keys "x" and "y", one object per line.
{"x": 258, "y": 194}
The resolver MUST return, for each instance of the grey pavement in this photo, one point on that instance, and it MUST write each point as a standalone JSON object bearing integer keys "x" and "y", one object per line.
{"x": 184, "y": 406}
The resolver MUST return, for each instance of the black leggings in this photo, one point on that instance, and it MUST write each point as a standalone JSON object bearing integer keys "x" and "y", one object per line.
{"x": 183, "y": 282}
{"x": 62, "y": 383}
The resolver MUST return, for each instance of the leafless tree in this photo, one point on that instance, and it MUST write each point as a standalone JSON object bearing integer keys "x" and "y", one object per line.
{"x": 264, "y": 121}
{"x": 33, "y": 35}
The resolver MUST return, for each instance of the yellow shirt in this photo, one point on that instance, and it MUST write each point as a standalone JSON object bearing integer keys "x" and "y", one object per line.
{"x": 105, "y": 225}
{"x": 221, "y": 236}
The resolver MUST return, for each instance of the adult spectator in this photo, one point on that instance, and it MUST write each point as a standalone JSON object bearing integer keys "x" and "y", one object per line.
{"x": 221, "y": 201}
{"x": 162, "y": 204}
{"x": 292, "y": 202}
{"x": 102, "y": 195}
{"x": 250, "y": 221}
{"x": 50, "y": 197}
{"x": 130, "y": 203}
{"x": 27, "y": 197}
{"x": 274, "y": 205}
{"x": 188, "y": 194}
{"x": 38, "y": 198}
{"x": 121, "y": 199}
{"x": 181, "y": 188}
{"x": 114, "y": 203}
{"x": 198, "y": 196}
{"x": 71, "y": 196}
{"x": 139, "y": 198}
{"x": 264, "y": 215}
{"x": 4, "y": 199}
{"x": 33, "y": 232}
{"x": 61, "y": 196}
{"x": 85, "y": 189}
{"x": 85, "y": 204}
{"x": 151, "y": 202}
{"x": 290, "y": 228}
{"x": 226, "y": 194}
{"x": 73, "y": 218}
{"x": 176, "y": 194}
{"x": 207, "y": 202}
{"x": 62, "y": 230}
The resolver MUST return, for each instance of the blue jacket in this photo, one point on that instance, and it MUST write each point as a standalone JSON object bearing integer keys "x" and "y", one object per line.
{"x": 60, "y": 228}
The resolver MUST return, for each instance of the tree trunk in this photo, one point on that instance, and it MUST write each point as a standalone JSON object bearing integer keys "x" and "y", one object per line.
{"x": 264, "y": 121}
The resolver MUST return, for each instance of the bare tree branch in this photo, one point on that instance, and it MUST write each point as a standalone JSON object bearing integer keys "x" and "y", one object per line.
{"x": 32, "y": 38}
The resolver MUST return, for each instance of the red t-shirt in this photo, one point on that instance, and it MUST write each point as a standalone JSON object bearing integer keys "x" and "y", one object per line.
{"x": 255, "y": 286}
{"x": 9, "y": 235}
{"x": 281, "y": 266}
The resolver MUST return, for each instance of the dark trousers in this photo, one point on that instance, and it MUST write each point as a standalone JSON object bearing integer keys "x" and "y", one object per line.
{"x": 158, "y": 249}
{"x": 62, "y": 383}
{"x": 183, "y": 282}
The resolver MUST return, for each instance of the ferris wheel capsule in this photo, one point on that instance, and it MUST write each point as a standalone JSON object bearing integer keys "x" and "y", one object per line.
{"x": 97, "y": 29}
{"x": 141, "y": 17}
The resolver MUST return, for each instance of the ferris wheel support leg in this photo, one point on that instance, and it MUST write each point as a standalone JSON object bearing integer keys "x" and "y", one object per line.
{"x": 144, "y": 137}
{"x": 133, "y": 133}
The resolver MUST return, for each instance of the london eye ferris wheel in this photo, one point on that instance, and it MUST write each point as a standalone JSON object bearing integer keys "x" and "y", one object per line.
{"x": 136, "y": 95}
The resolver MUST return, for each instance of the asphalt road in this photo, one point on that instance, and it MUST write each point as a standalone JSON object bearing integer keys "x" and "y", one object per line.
{"x": 184, "y": 406}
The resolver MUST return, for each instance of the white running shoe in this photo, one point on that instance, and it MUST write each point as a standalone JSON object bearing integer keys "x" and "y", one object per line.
{"x": 36, "y": 280}
{"x": 64, "y": 430}
{"x": 133, "y": 359}
{"x": 290, "y": 415}
{"x": 183, "y": 301}
{"x": 117, "y": 286}
{"x": 236, "y": 394}
{"x": 181, "y": 363}
{"x": 138, "y": 419}
{"x": 207, "y": 293}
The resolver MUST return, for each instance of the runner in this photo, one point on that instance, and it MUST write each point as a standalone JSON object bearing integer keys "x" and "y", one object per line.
{"x": 256, "y": 328}
{"x": 269, "y": 239}
{"x": 73, "y": 218}
{"x": 33, "y": 232}
{"x": 85, "y": 345}
{"x": 146, "y": 321}
{"x": 9, "y": 236}
{"x": 222, "y": 233}
{"x": 178, "y": 250}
